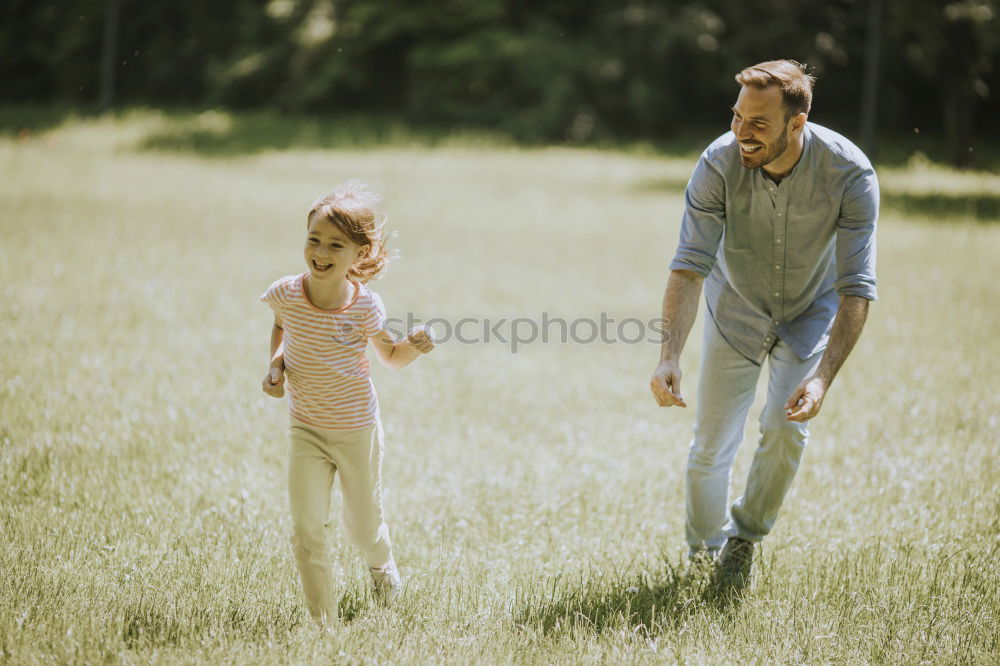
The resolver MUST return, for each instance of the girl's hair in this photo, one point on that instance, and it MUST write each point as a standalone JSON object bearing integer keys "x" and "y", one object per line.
{"x": 358, "y": 213}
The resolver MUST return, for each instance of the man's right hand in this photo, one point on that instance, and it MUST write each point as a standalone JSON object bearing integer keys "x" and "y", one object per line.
{"x": 273, "y": 383}
{"x": 666, "y": 384}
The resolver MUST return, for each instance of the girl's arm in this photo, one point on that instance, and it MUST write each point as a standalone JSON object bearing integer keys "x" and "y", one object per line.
{"x": 273, "y": 383}
{"x": 277, "y": 345}
{"x": 395, "y": 355}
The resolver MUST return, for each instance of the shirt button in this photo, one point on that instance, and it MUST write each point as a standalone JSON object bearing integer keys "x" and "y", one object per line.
{"x": 779, "y": 214}
{"x": 778, "y": 241}
{"x": 775, "y": 322}
{"x": 778, "y": 266}
{"x": 775, "y": 294}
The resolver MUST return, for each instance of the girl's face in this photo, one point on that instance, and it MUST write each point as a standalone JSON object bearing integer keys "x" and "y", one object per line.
{"x": 329, "y": 252}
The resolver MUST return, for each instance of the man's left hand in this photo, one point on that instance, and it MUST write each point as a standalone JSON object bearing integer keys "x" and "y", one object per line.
{"x": 806, "y": 399}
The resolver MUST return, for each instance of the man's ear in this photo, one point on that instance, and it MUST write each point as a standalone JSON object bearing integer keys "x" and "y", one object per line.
{"x": 363, "y": 251}
{"x": 799, "y": 121}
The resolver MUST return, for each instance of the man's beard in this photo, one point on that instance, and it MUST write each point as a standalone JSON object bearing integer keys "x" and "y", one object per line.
{"x": 772, "y": 153}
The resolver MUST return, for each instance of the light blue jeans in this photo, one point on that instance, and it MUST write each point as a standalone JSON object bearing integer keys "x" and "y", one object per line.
{"x": 725, "y": 393}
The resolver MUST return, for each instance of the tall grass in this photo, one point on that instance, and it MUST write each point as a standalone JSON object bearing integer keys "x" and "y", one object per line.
{"x": 535, "y": 499}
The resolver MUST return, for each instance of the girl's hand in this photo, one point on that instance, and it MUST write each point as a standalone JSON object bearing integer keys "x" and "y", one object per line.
{"x": 274, "y": 383}
{"x": 421, "y": 339}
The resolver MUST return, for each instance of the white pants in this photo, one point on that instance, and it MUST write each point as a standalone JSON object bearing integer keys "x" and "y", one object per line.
{"x": 725, "y": 393}
{"x": 315, "y": 456}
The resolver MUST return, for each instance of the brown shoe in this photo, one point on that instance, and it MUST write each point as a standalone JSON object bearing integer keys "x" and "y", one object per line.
{"x": 735, "y": 562}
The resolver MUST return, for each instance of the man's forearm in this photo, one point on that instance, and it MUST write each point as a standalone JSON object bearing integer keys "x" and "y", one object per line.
{"x": 680, "y": 307}
{"x": 847, "y": 325}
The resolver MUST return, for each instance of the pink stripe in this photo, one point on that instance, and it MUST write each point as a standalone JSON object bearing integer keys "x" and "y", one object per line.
{"x": 329, "y": 383}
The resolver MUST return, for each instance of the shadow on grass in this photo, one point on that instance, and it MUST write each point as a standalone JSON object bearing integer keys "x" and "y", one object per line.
{"x": 215, "y": 133}
{"x": 223, "y": 134}
{"x": 151, "y": 621}
{"x": 940, "y": 206}
{"x": 662, "y": 185}
{"x": 983, "y": 207}
{"x": 24, "y": 121}
{"x": 650, "y": 603}
{"x": 352, "y": 604}
{"x": 897, "y": 149}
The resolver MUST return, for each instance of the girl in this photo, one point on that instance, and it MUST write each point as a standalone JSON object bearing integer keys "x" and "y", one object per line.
{"x": 323, "y": 320}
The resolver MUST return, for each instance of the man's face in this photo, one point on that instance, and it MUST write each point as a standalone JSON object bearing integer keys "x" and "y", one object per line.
{"x": 760, "y": 126}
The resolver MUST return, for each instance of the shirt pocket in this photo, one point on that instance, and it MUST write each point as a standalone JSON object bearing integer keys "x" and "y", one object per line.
{"x": 739, "y": 218}
{"x": 810, "y": 235}
{"x": 812, "y": 221}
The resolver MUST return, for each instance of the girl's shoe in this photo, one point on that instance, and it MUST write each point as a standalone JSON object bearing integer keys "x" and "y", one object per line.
{"x": 386, "y": 582}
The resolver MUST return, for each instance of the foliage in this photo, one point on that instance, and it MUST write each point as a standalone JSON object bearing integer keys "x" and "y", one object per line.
{"x": 558, "y": 70}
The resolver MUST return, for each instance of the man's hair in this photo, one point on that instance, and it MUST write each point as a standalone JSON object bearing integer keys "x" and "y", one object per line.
{"x": 795, "y": 82}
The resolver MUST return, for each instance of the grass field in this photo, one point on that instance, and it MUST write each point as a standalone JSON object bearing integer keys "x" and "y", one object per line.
{"x": 535, "y": 499}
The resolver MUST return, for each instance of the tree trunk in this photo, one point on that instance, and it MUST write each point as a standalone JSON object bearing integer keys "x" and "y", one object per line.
{"x": 872, "y": 66}
{"x": 958, "y": 126}
{"x": 109, "y": 54}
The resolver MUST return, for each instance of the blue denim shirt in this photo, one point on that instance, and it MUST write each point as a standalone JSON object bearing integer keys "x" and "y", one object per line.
{"x": 776, "y": 258}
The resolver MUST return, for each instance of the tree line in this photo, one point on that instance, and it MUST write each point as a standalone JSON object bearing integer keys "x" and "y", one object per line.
{"x": 539, "y": 70}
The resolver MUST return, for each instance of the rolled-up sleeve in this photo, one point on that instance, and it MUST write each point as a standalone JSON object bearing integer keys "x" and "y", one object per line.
{"x": 856, "y": 237}
{"x": 703, "y": 221}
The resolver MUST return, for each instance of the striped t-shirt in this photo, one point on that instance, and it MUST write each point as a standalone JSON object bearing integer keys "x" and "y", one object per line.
{"x": 329, "y": 382}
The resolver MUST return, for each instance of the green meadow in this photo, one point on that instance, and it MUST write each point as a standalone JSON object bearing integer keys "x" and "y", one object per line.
{"x": 535, "y": 498}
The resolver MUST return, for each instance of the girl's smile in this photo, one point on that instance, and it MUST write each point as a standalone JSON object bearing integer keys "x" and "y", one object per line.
{"x": 321, "y": 268}
{"x": 329, "y": 253}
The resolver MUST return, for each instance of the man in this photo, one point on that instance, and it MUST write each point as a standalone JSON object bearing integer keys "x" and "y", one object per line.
{"x": 779, "y": 225}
